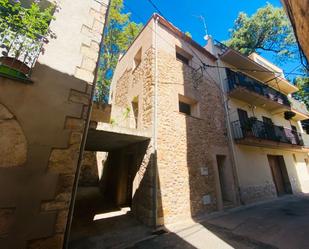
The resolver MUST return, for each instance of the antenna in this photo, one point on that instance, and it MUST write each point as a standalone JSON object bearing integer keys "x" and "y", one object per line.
{"x": 202, "y": 18}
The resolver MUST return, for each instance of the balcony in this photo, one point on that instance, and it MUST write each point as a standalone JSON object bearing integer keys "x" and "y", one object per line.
{"x": 252, "y": 91}
{"x": 19, "y": 53}
{"x": 237, "y": 60}
{"x": 299, "y": 108}
{"x": 258, "y": 133}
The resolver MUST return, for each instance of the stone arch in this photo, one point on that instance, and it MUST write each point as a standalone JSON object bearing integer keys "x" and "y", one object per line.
{"x": 13, "y": 144}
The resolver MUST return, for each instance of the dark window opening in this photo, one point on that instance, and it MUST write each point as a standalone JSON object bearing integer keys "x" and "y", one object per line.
{"x": 182, "y": 58}
{"x": 184, "y": 108}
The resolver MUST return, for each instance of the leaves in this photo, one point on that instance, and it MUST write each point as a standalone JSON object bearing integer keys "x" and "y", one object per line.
{"x": 31, "y": 22}
{"x": 266, "y": 30}
{"x": 119, "y": 35}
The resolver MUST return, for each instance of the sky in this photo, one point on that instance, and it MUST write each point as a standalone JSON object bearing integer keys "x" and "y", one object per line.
{"x": 219, "y": 16}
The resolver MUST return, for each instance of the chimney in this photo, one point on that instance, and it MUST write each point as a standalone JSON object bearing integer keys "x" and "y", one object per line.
{"x": 209, "y": 44}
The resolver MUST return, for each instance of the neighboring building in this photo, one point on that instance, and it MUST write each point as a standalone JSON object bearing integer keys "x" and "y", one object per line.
{"x": 44, "y": 102}
{"x": 158, "y": 86}
{"x": 298, "y": 12}
{"x": 205, "y": 152}
{"x": 269, "y": 145}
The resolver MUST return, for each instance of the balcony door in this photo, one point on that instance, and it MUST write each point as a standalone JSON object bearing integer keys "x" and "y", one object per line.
{"x": 269, "y": 128}
{"x": 279, "y": 174}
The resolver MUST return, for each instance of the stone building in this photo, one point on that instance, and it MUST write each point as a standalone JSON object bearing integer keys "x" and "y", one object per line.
{"x": 159, "y": 87}
{"x": 269, "y": 145}
{"x": 45, "y": 99}
{"x": 224, "y": 128}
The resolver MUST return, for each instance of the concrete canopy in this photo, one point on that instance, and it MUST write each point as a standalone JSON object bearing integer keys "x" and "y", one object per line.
{"x": 108, "y": 138}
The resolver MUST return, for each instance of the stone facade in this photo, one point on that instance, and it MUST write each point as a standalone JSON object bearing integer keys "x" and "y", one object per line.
{"x": 255, "y": 193}
{"x": 44, "y": 124}
{"x": 186, "y": 144}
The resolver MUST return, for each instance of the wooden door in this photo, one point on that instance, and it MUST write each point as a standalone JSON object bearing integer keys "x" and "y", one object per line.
{"x": 277, "y": 174}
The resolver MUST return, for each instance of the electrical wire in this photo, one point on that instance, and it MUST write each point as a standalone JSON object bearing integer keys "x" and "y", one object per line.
{"x": 203, "y": 65}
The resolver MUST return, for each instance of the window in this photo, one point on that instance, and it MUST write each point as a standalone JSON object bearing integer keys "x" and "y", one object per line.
{"x": 184, "y": 108}
{"x": 183, "y": 56}
{"x": 137, "y": 59}
{"x": 135, "y": 111}
{"x": 188, "y": 106}
{"x": 243, "y": 116}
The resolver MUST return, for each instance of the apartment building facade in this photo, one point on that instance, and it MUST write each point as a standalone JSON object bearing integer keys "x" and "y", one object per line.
{"x": 159, "y": 86}
{"x": 45, "y": 96}
{"x": 269, "y": 145}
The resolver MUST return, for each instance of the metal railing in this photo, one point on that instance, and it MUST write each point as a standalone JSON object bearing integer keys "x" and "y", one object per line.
{"x": 236, "y": 79}
{"x": 18, "y": 50}
{"x": 299, "y": 106}
{"x": 261, "y": 130}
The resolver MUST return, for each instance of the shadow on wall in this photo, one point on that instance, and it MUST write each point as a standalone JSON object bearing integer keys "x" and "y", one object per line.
{"x": 39, "y": 189}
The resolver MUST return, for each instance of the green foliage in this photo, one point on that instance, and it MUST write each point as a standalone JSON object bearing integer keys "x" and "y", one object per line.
{"x": 126, "y": 112}
{"x": 266, "y": 30}
{"x": 303, "y": 94}
{"x": 31, "y": 22}
{"x": 119, "y": 35}
{"x": 188, "y": 34}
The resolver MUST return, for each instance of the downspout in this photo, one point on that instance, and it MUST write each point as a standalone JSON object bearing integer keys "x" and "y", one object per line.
{"x": 230, "y": 137}
{"x": 154, "y": 130}
{"x": 84, "y": 139}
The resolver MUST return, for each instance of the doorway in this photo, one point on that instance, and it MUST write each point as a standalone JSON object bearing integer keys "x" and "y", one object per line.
{"x": 225, "y": 176}
{"x": 280, "y": 175}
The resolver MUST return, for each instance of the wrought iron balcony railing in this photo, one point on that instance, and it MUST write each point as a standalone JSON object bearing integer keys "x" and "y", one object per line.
{"x": 236, "y": 79}
{"x": 19, "y": 51}
{"x": 262, "y": 130}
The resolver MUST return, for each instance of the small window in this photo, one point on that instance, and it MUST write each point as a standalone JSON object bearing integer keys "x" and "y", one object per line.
{"x": 137, "y": 59}
{"x": 184, "y": 108}
{"x": 188, "y": 106}
{"x": 183, "y": 56}
{"x": 135, "y": 111}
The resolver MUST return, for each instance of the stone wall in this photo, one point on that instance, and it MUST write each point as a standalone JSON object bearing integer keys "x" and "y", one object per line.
{"x": 44, "y": 123}
{"x": 131, "y": 84}
{"x": 255, "y": 193}
{"x": 188, "y": 145}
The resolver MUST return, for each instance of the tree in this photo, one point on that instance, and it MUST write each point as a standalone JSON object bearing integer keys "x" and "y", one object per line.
{"x": 303, "y": 94}
{"x": 266, "y": 30}
{"x": 118, "y": 36}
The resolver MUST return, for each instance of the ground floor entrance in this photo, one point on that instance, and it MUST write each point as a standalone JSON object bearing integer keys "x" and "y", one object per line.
{"x": 279, "y": 174}
{"x": 108, "y": 202}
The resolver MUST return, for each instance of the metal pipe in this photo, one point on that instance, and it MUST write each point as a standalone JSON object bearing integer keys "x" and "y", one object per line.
{"x": 154, "y": 138}
{"x": 230, "y": 137}
{"x": 84, "y": 138}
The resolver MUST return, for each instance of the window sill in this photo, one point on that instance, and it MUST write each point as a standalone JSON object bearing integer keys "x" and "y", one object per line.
{"x": 186, "y": 115}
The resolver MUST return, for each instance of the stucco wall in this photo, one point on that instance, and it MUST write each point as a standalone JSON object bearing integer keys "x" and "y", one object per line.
{"x": 255, "y": 178}
{"x": 35, "y": 193}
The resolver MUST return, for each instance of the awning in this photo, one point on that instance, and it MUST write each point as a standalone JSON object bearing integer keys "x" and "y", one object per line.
{"x": 257, "y": 71}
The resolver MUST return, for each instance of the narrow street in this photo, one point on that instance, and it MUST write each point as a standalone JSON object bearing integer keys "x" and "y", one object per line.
{"x": 283, "y": 223}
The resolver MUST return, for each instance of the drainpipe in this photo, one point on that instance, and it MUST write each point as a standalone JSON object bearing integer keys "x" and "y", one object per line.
{"x": 230, "y": 137}
{"x": 154, "y": 131}
{"x": 84, "y": 139}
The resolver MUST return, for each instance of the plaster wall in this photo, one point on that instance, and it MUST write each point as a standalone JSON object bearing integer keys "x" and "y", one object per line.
{"x": 35, "y": 191}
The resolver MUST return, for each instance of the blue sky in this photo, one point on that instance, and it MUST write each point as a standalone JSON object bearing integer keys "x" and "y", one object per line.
{"x": 219, "y": 16}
